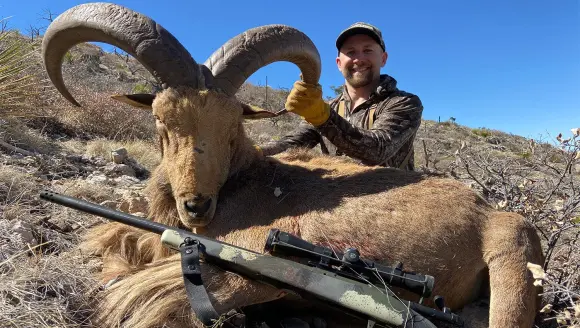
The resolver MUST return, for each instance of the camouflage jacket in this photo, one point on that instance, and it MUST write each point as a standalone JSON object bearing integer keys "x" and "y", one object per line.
{"x": 389, "y": 142}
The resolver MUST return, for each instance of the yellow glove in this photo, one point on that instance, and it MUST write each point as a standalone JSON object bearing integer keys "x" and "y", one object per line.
{"x": 259, "y": 150}
{"x": 306, "y": 100}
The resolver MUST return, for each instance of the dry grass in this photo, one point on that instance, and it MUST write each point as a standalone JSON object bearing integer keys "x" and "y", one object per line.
{"x": 145, "y": 152}
{"x": 87, "y": 191}
{"x": 46, "y": 290}
{"x": 16, "y": 187}
{"x": 103, "y": 117}
{"x": 44, "y": 281}
{"x": 16, "y": 133}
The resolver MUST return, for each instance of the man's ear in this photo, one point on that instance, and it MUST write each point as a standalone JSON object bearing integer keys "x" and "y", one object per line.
{"x": 139, "y": 100}
{"x": 255, "y": 113}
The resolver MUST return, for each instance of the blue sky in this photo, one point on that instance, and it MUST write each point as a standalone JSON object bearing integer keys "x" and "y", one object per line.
{"x": 507, "y": 65}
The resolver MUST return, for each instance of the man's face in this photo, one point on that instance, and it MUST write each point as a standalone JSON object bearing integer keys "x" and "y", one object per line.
{"x": 360, "y": 60}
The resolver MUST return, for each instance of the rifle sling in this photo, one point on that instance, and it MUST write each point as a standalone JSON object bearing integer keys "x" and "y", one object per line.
{"x": 196, "y": 293}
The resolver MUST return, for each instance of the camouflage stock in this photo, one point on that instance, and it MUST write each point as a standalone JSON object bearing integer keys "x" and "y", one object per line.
{"x": 359, "y": 299}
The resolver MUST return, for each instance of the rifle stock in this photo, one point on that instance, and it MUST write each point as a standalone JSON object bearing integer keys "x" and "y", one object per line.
{"x": 354, "y": 297}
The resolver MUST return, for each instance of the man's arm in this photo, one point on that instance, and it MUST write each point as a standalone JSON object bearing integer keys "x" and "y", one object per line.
{"x": 396, "y": 123}
{"x": 304, "y": 136}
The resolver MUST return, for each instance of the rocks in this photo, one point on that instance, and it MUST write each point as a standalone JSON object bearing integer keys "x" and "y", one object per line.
{"x": 122, "y": 180}
{"x": 23, "y": 232}
{"x": 493, "y": 140}
{"x": 60, "y": 224}
{"x": 97, "y": 178}
{"x": 15, "y": 236}
{"x": 113, "y": 170}
{"x": 132, "y": 202}
{"x": 499, "y": 147}
{"x": 125, "y": 181}
{"x": 119, "y": 156}
{"x": 110, "y": 204}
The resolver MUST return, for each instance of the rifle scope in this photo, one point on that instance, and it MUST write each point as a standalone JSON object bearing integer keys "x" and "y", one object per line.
{"x": 348, "y": 264}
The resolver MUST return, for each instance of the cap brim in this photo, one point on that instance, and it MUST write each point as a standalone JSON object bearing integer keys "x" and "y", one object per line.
{"x": 356, "y": 30}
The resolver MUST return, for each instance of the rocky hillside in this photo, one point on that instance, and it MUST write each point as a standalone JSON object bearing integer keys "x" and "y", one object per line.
{"x": 105, "y": 152}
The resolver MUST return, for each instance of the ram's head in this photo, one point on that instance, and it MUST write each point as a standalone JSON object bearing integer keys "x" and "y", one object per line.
{"x": 198, "y": 118}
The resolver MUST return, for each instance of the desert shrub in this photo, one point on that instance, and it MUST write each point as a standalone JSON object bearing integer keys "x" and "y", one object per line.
{"x": 142, "y": 88}
{"x": 69, "y": 57}
{"x": 102, "y": 116}
{"x": 526, "y": 155}
{"x": 17, "y": 83}
{"x": 482, "y": 132}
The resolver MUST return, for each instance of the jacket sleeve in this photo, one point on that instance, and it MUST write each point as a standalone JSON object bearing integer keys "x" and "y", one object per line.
{"x": 396, "y": 122}
{"x": 304, "y": 136}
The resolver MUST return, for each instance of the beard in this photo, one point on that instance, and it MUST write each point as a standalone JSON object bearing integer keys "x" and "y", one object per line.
{"x": 359, "y": 79}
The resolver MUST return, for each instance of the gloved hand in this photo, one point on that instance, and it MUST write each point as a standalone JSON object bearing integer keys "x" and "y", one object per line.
{"x": 306, "y": 100}
{"x": 259, "y": 150}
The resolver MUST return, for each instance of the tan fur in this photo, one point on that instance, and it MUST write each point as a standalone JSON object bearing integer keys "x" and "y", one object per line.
{"x": 434, "y": 226}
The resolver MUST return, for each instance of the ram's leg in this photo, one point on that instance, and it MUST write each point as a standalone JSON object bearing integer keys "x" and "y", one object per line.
{"x": 156, "y": 296}
{"x": 510, "y": 243}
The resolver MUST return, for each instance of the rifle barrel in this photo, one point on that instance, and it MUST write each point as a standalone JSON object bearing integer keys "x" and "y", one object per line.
{"x": 104, "y": 211}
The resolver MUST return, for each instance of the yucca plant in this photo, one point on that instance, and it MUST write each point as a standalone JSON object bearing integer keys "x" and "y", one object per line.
{"x": 17, "y": 81}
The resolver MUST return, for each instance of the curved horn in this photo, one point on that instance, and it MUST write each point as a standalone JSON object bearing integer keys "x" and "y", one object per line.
{"x": 247, "y": 52}
{"x": 138, "y": 35}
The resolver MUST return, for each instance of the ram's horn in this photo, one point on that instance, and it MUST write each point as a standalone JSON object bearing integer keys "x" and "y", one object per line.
{"x": 140, "y": 36}
{"x": 234, "y": 62}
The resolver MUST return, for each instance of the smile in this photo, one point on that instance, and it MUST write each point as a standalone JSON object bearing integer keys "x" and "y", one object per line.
{"x": 359, "y": 70}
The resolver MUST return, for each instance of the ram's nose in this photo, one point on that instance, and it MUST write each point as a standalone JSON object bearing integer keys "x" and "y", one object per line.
{"x": 198, "y": 206}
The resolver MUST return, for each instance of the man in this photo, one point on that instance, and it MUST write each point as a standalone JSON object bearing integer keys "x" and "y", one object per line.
{"x": 371, "y": 121}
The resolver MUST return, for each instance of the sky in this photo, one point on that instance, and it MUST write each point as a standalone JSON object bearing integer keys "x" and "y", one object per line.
{"x": 512, "y": 65}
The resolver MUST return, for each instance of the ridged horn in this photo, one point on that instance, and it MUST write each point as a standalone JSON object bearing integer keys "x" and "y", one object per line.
{"x": 138, "y": 35}
{"x": 234, "y": 62}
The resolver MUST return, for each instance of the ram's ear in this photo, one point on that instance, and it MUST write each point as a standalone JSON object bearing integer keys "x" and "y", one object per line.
{"x": 255, "y": 113}
{"x": 139, "y": 100}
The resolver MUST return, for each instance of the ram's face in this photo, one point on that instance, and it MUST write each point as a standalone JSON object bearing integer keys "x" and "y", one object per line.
{"x": 197, "y": 132}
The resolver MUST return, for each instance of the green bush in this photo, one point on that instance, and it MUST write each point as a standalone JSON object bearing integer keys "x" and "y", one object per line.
{"x": 68, "y": 57}
{"x": 526, "y": 155}
{"x": 482, "y": 132}
{"x": 142, "y": 88}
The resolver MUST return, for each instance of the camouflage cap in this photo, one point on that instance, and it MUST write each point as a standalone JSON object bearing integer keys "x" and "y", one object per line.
{"x": 361, "y": 28}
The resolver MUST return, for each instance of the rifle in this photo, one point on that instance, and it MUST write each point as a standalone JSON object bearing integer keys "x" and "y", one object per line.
{"x": 343, "y": 280}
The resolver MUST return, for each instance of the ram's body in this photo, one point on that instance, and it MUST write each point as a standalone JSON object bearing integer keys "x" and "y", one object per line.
{"x": 212, "y": 179}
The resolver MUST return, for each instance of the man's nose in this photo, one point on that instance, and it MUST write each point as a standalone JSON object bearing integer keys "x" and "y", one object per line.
{"x": 358, "y": 58}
